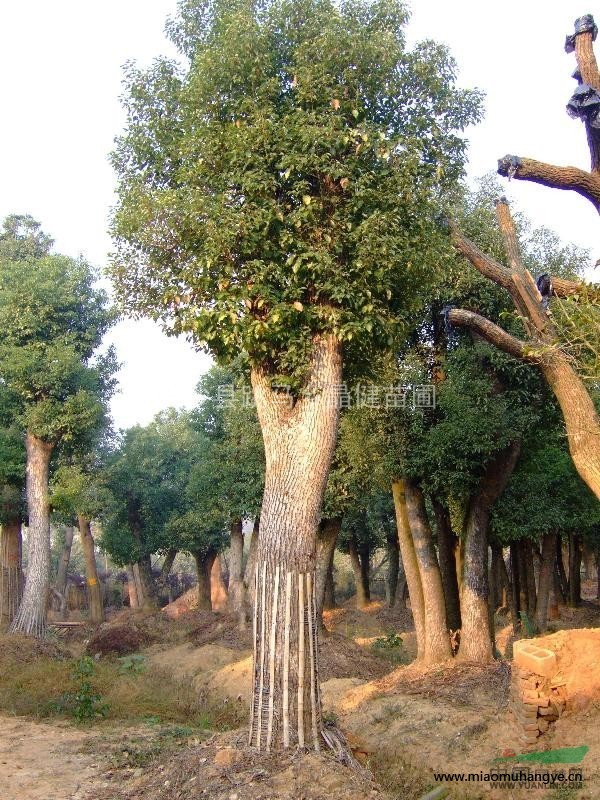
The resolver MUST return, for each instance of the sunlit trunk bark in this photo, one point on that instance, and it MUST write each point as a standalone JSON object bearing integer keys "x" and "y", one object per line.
{"x": 31, "y": 616}
{"x": 437, "y": 639}
{"x": 131, "y": 587}
{"x": 236, "y": 600}
{"x": 476, "y": 633}
{"x": 409, "y": 562}
{"x": 545, "y": 581}
{"x": 299, "y": 441}
{"x": 11, "y": 573}
{"x": 94, "y": 589}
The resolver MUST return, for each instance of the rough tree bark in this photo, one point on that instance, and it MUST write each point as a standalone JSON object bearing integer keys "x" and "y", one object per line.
{"x": 31, "y": 616}
{"x": 447, "y": 544}
{"x": 393, "y": 567}
{"x": 94, "y": 589}
{"x": 204, "y": 562}
{"x": 361, "y": 572}
{"x": 11, "y": 573}
{"x": 329, "y": 530}
{"x": 574, "y": 570}
{"x": 476, "y": 633}
{"x": 236, "y": 599}
{"x": 530, "y": 576}
{"x": 132, "y": 587}
{"x": 329, "y": 600}
{"x": 437, "y": 639}
{"x": 299, "y": 439}
{"x": 545, "y": 581}
{"x": 63, "y": 565}
{"x": 543, "y": 347}
{"x": 409, "y": 562}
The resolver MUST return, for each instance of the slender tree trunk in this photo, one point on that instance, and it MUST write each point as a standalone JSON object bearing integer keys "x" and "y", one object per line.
{"x": 63, "y": 565}
{"x": 410, "y": 564}
{"x": 589, "y": 562}
{"x": 447, "y": 544}
{"x": 11, "y": 572}
{"x": 493, "y": 582}
{"x": 523, "y": 579}
{"x": 545, "y": 581}
{"x": 204, "y": 563}
{"x": 393, "y": 567}
{"x": 574, "y": 570}
{"x": 531, "y": 588}
{"x": 476, "y": 633}
{"x": 131, "y": 587}
{"x": 437, "y": 640}
{"x": 250, "y": 568}
{"x": 31, "y": 616}
{"x": 516, "y": 589}
{"x": 329, "y": 530}
{"x": 299, "y": 441}
{"x": 94, "y": 589}
{"x": 365, "y": 570}
{"x": 362, "y": 598}
{"x": 329, "y": 601}
{"x": 236, "y": 599}
{"x": 560, "y": 569}
{"x": 147, "y": 589}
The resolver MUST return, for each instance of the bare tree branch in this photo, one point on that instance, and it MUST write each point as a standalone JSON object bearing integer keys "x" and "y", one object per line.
{"x": 493, "y": 334}
{"x": 587, "y": 184}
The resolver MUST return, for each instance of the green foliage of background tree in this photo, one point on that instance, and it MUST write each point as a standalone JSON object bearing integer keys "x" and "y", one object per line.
{"x": 52, "y": 318}
{"x": 277, "y": 197}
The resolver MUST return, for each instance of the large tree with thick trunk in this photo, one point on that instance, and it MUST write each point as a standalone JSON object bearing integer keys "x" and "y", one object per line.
{"x": 53, "y": 318}
{"x": 275, "y": 198}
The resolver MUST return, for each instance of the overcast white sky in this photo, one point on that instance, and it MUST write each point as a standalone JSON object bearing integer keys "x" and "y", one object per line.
{"x": 61, "y": 61}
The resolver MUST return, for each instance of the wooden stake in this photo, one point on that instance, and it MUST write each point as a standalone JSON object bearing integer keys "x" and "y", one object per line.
{"x": 272, "y": 643}
{"x": 262, "y": 655}
{"x": 311, "y": 645}
{"x": 301, "y": 659}
{"x": 254, "y": 665}
{"x": 286, "y": 660}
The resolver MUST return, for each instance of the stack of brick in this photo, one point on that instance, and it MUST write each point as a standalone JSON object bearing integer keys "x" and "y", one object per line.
{"x": 537, "y": 692}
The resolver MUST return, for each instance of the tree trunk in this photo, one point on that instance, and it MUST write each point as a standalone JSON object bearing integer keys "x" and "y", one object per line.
{"x": 329, "y": 530}
{"x": 545, "y": 581}
{"x": 560, "y": 569}
{"x": 63, "y": 565}
{"x": 299, "y": 439}
{"x": 11, "y": 572}
{"x": 94, "y": 589}
{"x": 494, "y": 588}
{"x": 146, "y": 586}
{"x": 410, "y": 564}
{"x": 393, "y": 567}
{"x": 516, "y": 589}
{"x": 437, "y": 640}
{"x": 329, "y": 601}
{"x": 365, "y": 570}
{"x": 523, "y": 580}
{"x": 250, "y": 568}
{"x": 574, "y": 570}
{"x": 362, "y": 598}
{"x": 476, "y": 633}
{"x": 31, "y": 616}
{"x": 530, "y": 573}
{"x": 236, "y": 599}
{"x": 204, "y": 563}
{"x": 589, "y": 562}
{"x": 447, "y": 544}
{"x": 132, "y": 588}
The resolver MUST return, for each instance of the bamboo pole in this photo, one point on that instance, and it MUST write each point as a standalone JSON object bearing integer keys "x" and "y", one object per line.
{"x": 254, "y": 633}
{"x": 262, "y": 656}
{"x": 301, "y": 659}
{"x": 272, "y": 643}
{"x": 313, "y": 676}
{"x": 286, "y": 660}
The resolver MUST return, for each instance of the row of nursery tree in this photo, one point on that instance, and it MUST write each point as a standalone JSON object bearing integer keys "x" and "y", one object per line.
{"x": 283, "y": 200}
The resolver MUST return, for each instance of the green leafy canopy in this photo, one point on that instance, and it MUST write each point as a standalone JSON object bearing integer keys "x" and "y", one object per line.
{"x": 284, "y": 183}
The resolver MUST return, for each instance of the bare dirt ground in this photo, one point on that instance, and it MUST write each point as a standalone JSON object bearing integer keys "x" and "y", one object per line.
{"x": 401, "y": 722}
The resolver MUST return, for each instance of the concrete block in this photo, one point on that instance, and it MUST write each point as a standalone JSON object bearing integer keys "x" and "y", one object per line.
{"x": 528, "y": 656}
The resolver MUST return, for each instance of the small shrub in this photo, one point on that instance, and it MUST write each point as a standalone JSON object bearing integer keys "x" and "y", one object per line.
{"x": 83, "y": 702}
{"x": 391, "y": 648}
{"x": 132, "y": 665}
